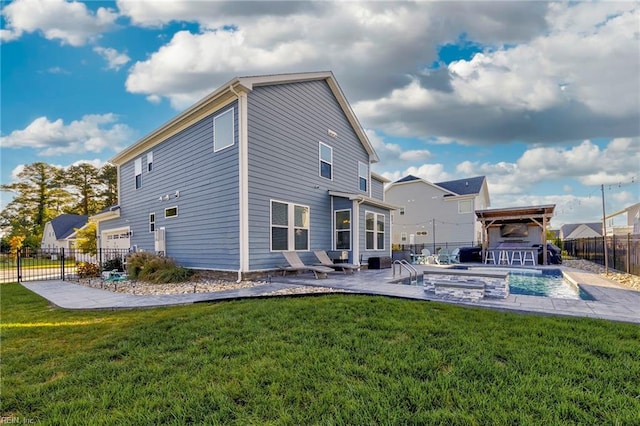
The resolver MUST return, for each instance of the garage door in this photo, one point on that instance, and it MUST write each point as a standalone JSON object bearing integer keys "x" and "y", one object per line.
{"x": 116, "y": 239}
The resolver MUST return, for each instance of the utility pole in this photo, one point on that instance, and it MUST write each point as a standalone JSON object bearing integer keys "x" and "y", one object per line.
{"x": 604, "y": 233}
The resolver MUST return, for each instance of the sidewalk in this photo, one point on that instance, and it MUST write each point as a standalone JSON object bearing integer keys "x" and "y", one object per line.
{"x": 613, "y": 302}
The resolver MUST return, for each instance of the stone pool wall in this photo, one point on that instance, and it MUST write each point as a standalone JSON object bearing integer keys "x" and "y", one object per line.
{"x": 467, "y": 287}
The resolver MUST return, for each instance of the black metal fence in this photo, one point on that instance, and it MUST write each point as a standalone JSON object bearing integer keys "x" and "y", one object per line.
{"x": 623, "y": 251}
{"x": 54, "y": 264}
{"x": 433, "y": 247}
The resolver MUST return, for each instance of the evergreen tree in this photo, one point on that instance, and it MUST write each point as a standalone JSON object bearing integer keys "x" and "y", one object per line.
{"x": 39, "y": 197}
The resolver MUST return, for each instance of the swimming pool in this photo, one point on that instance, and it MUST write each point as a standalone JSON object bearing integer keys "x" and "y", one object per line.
{"x": 529, "y": 282}
{"x": 545, "y": 283}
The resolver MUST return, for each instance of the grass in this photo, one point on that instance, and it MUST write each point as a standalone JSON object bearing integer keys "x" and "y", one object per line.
{"x": 336, "y": 359}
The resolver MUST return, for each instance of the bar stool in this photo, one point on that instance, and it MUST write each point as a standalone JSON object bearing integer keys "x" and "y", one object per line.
{"x": 504, "y": 257}
{"x": 528, "y": 256}
{"x": 490, "y": 256}
{"x": 519, "y": 259}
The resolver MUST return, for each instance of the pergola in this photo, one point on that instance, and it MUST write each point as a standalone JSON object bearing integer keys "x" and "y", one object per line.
{"x": 539, "y": 215}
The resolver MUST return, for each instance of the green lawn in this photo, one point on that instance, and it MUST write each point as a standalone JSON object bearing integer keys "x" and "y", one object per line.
{"x": 336, "y": 359}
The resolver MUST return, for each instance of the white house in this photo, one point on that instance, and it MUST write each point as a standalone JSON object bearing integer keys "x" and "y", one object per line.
{"x": 574, "y": 231}
{"x": 437, "y": 214}
{"x": 60, "y": 232}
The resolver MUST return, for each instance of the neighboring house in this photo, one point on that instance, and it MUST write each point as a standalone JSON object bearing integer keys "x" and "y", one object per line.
{"x": 626, "y": 221}
{"x": 437, "y": 213}
{"x": 574, "y": 231}
{"x": 260, "y": 166}
{"x": 60, "y": 232}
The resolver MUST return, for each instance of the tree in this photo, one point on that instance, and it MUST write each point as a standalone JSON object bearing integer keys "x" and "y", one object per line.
{"x": 39, "y": 197}
{"x": 86, "y": 239}
{"x": 109, "y": 180}
{"x": 83, "y": 179}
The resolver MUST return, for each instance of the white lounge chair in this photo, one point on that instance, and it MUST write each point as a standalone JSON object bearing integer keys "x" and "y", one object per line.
{"x": 347, "y": 268}
{"x": 296, "y": 265}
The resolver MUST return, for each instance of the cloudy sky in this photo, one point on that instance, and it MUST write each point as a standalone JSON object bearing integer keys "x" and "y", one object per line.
{"x": 542, "y": 98}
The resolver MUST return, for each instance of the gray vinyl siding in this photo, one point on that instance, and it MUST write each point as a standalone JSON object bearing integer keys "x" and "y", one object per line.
{"x": 285, "y": 124}
{"x": 364, "y": 253}
{"x": 377, "y": 189}
{"x": 205, "y": 232}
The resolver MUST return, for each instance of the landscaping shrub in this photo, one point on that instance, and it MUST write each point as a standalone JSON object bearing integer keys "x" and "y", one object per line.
{"x": 88, "y": 270}
{"x": 111, "y": 264}
{"x": 160, "y": 270}
{"x": 136, "y": 262}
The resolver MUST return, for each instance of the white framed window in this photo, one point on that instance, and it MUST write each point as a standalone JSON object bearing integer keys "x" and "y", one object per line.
{"x": 152, "y": 222}
{"x": 343, "y": 229}
{"x": 325, "y": 157}
{"x": 374, "y": 228}
{"x": 289, "y": 226}
{"x": 401, "y": 211}
{"x": 465, "y": 206}
{"x": 138, "y": 172}
{"x": 149, "y": 161}
{"x": 403, "y": 237}
{"x": 223, "y": 131}
{"x": 171, "y": 212}
{"x": 363, "y": 176}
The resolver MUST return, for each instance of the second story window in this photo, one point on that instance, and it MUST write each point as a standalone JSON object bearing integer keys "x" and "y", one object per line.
{"x": 152, "y": 222}
{"x": 363, "y": 176}
{"x": 326, "y": 161}
{"x": 465, "y": 206}
{"x": 149, "y": 161}
{"x": 223, "y": 130}
{"x": 138, "y": 172}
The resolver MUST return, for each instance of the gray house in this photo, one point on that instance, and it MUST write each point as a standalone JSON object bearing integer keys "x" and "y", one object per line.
{"x": 260, "y": 166}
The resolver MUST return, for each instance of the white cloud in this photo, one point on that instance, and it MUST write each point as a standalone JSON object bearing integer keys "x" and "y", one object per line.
{"x": 93, "y": 133}
{"x": 346, "y": 37}
{"x": 572, "y": 82}
{"x": 70, "y": 22}
{"x": 182, "y": 70}
{"x": 115, "y": 60}
{"x": 391, "y": 154}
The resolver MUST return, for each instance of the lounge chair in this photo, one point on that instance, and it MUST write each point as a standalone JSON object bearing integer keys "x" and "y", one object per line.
{"x": 296, "y": 265}
{"x": 347, "y": 268}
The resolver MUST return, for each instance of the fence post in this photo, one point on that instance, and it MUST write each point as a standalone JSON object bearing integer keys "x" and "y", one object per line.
{"x": 62, "y": 261}
{"x": 18, "y": 265}
{"x": 628, "y": 260}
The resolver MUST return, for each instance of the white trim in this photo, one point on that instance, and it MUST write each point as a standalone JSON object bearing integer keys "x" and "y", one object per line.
{"x": 169, "y": 208}
{"x": 150, "y": 161}
{"x": 243, "y": 178}
{"x": 356, "y": 231}
{"x": 291, "y": 226}
{"x": 137, "y": 171}
{"x": 375, "y": 230}
{"x": 335, "y": 230}
{"x": 320, "y": 160}
{"x": 368, "y": 177}
{"x": 233, "y": 132}
{"x": 154, "y": 221}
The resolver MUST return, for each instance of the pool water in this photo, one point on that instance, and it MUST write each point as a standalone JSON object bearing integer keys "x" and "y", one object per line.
{"x": 549, "y": 283}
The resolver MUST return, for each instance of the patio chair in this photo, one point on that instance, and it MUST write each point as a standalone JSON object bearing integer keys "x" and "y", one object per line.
{"x": 443, "y": 257}
{"x": 296, "y": 265}
{"x": 347, "y": 268}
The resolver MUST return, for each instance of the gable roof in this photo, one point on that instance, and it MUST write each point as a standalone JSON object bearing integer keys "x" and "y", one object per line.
{"x": 228, "y": 93}
{"x": 464, "y": 186}
{"x": 569, "y": 228}
{"x": 65, "y": 224}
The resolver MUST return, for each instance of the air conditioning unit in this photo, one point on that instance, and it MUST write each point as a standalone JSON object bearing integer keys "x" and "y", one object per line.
{"x": 159, "y": 240}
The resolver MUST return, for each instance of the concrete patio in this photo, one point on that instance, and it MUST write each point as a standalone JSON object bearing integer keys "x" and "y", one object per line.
{"x": 612, "y": 301}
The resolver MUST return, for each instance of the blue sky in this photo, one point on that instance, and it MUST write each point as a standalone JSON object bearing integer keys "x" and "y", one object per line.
{"x": 542, "y": 98}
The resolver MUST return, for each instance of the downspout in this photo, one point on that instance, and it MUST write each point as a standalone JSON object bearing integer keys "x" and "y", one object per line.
{"x": 242, "y": 184}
